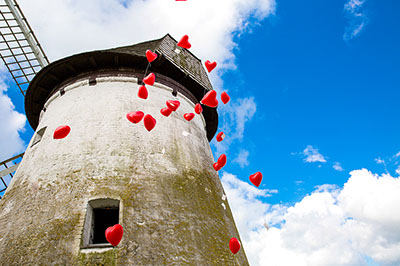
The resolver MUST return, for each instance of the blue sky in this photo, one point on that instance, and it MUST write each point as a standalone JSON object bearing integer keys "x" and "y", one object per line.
{"x": 314, "y": 88}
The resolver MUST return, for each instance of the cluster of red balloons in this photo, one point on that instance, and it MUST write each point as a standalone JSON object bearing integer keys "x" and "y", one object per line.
{"x": 114, "y": 233}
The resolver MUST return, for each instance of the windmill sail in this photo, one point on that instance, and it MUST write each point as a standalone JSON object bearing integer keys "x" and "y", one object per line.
{"x": 19, "y": 47}
{"x": 6, "y": 171}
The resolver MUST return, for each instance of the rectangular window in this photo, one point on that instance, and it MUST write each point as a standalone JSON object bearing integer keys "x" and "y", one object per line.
{"x": 101, "y": 214}
{"x": 38, "y": 136}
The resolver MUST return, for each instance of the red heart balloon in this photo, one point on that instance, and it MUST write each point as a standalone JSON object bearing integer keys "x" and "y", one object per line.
{"x": 216, "y": 167}
{"x": 150, "y": 56}
{"x": 142, "y": 92}
{"x": 256, "y": 179}
{"x": 114, "y": 234}
{"x": 225, "y": 97}
{"x": 149, "y": 122}
{"x": 222, "y": 160}
{"x": 198, "y": 109}
{"x": 210, "y": 66}
{"x": 61, "y": 132}
{"x": 188, "y": 116}
{"x": 210, "y": 99}
{"x": 135, "y": 117}
{"x": 234, "y": 245}
{"x": 184, "y": 42}
{"x": 149, "y": 80}
{"x": 173, "y": 105}
{"x": 220, "y": 136}
{"x": 166, "y": 111}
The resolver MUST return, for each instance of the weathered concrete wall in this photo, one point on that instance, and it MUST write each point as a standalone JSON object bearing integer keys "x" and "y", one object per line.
{"x": 171, "y": 197}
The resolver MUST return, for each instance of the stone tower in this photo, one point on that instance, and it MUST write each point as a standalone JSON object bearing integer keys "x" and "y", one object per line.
{"x": 159, "y": 185}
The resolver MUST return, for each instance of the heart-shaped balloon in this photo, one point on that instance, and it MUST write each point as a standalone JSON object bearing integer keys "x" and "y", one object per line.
{"x": 150, "y": 56}
{"x": 225, "y": 97}
{"x": 135, "y": 117}
{"x": 173, "y": 105}
{"x": 210, "y": 99}
{"x": 198, "y": 109}
{"x": 61, "y": 132}
{"x": 166, "y": 111}
{"x": 222, "y": 160}
{"x": 216, "y": 167}
{"x": 149, "y": 80}
{"x": 210, "y": 66}
{"x": 184, "y": 42}
{"x": 220, "y": 136}
{"x": 188, "y": 116}
{"x": 256, "y": 179}
{"x": 114, "y": 234}
{"x": 149, "y": 122}
{"x": 234, "y": 245}
{"x": 142, "y": 92}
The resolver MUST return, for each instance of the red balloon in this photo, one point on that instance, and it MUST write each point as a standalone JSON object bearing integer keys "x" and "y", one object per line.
{"x": 222, "y": 160}
{"x": 188, "y": 116}
{"x": 225, "y": 97}
{"x": 216, "y": 167}
{"x": 256, "y": 179}
{"x": 150, "y": 56}
{"x": 234, "y": 245}
{"x": 210, "y": 66}
{"x": 210, "y": 99}
{"x": 220, "y": 136}
{"x": 149, "y": 80}
{"x": 142, "y": 92}
{"x": 135, "y": 117}
{"x": 173, "y": 105}
{"x": 149, "y": 122}
{"x": 114, "y": 234}
{"x": 166, "y": 111}
{"x": 198, "y": 109}
{"x": 61, "y": 132}
{"x": 184, "y": 42}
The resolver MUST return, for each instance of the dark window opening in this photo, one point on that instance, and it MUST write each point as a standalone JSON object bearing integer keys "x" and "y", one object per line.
{"x": 103, "y": 218}
{"x": 92, "y": 81}
{"x": 38, "y": 136}
{"x": 101, "y": 214}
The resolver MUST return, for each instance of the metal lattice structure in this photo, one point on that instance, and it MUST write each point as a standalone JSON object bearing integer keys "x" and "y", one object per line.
{"x": 19, "y": 47}
{"x": 6, "y": 171}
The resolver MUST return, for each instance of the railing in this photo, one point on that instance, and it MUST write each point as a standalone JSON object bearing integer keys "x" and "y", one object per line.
{"x": 6, "y": 171}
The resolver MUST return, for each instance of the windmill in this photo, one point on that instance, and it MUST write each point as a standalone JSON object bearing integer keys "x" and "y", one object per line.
{"x": 160, "y": 185}
{"x": 23, "y": 57}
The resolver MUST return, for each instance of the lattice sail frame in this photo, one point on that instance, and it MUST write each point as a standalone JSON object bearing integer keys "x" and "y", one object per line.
{"x": 19, "y": 47}
{"x": 6, "y": 171}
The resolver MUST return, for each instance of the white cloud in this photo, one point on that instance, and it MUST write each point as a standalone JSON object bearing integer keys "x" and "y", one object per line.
{"x": 68, "y": 27}
{"x": 338, "y": 167}
{"x": 249, "y": 211}
{"x": 379, "y": 161}
{"x": 312, "y": 155}
{"x": 12, "y": 123}
{"x": 332, "y": 226}
{"x": 398, "y": 170}
{"x": 356, "y": 17}
{"x": 242, "y": 158}
{"x": 234, "y": 117}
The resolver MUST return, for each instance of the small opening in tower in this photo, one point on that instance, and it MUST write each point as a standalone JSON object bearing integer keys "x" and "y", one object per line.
{"x": 174, "y": 93}
{"x": 38, "y": 136}
{"x": 101, "y": 214}
{"x": 103, "y": 218}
